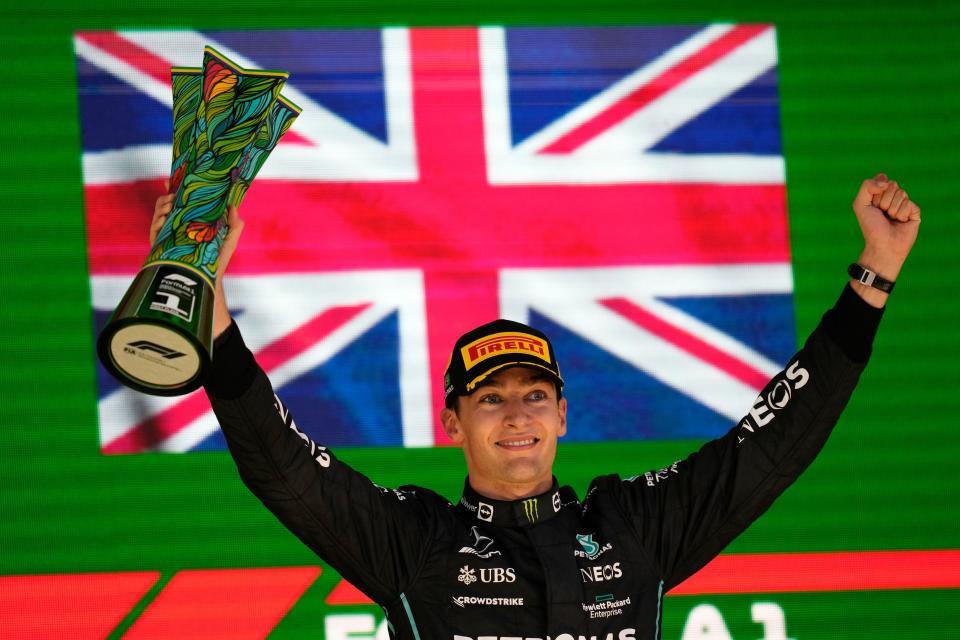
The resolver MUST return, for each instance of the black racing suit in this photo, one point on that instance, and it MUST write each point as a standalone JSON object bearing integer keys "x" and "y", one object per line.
{"x": 551, "y": 566}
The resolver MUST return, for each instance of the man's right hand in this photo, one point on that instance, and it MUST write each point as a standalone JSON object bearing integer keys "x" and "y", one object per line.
{"x": 162, "y": 208}
{"x": 221, "y": 314}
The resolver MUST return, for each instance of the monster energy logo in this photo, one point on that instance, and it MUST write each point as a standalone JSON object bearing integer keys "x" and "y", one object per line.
{"x": 531, "y": 509}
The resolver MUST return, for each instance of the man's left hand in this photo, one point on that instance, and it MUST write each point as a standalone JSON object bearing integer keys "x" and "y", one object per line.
{"x": 889, "y": 220}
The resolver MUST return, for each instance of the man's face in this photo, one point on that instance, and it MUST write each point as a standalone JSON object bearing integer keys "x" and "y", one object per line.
{"x": 508, "y": 428}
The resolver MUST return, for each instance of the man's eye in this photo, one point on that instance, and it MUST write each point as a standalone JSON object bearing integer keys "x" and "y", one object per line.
{"x": 491, "y": 398}
{"x": 538, "y": 395}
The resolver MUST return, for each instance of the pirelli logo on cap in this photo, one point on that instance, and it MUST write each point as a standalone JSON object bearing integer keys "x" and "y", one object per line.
{"x": 503, "y": 343}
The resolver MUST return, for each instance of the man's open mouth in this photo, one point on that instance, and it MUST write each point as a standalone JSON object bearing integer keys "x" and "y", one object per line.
{"x": 518, "y": 443}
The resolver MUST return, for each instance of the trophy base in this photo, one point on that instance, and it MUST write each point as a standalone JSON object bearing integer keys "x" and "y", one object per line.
{"x": 159, "y": 339}
{"x": 154, "y": 358}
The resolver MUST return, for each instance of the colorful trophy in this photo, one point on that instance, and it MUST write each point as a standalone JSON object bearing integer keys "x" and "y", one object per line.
{"x": 226, "y": 121}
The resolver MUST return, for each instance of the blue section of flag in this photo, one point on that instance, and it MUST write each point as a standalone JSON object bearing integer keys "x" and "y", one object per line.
{"x": 748, "y": 121}
{"x": 214, "y": 442}
{"x": 342, "y": 69}
{"x": 765, "y": 323}
{"x": 116, "y": 115}
{"x": 551, "y": 71}
{"x": 609, "y": 399}
{"x": 353, "y": 398}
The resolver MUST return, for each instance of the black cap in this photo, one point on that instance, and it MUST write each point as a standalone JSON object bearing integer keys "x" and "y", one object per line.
{"x": 494, "y": 346}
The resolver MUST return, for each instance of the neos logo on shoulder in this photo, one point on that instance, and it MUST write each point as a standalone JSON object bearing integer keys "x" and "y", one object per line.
{"x": 765, "y": 407}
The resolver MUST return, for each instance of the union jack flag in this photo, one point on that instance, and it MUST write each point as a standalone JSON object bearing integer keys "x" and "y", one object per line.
{"x": 621, "y": 188}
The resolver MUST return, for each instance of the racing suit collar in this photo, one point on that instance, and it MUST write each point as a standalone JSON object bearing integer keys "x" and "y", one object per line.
{"x": 516, "y": 513}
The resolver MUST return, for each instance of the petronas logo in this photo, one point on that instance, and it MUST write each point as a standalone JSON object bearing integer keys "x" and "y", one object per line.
{"x": 589, "y": 546}
{"x": 531, "y": 509}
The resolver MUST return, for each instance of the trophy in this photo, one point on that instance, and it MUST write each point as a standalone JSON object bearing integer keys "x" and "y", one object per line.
{"x": 226, "y": 121}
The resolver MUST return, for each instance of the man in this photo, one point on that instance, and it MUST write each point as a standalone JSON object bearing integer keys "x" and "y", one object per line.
{"x": 519, "y": 556}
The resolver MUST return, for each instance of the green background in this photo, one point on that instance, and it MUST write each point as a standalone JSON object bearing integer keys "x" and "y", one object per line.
{"x": 864, "y": 87}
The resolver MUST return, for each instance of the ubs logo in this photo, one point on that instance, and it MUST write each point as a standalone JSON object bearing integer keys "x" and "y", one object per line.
{"x": 498, "y": 575}
{"x": 467, "y": 575}
{"x": 495, "y": 575}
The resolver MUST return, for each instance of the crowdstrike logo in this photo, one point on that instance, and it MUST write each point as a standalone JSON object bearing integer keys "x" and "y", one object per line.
{"x": 463, "y": 601}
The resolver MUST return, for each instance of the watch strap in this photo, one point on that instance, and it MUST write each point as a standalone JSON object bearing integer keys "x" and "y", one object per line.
{"x": 864, "y": 276}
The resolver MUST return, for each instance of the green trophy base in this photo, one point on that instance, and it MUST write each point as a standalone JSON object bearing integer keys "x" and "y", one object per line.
{"x": 159, "y": 340}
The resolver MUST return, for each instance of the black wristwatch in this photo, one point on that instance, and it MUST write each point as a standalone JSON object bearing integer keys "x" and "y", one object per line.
{"x": 869, "y": 278}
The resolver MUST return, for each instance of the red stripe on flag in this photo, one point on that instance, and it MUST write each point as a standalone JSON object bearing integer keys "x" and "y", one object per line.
{"x": 840, "y": 571}
{"x": 75, "y": 606}
{"x": 642, "y": 96}
{"x": 292, "y": 137}
{"x": 165, "y": 424}
{"x": 223, "y": 603}
{"x": 794, "y": 572}
{"x": 134, "y": 55}
{"x": 447, "y": 103}
{"x": 688, "y": 342}
{"x": 293, "y": 227}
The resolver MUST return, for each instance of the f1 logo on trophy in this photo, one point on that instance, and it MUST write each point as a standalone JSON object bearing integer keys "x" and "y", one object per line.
{"x": 226, "y": 121}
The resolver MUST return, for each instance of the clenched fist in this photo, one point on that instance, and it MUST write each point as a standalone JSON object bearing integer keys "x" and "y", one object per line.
{"x": 890, "y": 221}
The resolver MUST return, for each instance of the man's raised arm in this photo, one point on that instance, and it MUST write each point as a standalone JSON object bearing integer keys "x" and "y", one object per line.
{"x": 686, "y": 513}
{"x": 367, "y": 533}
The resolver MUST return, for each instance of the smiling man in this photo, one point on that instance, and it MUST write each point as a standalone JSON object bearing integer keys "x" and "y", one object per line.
{"x": 504, "y": 407}
{"x": 520, "y": 557}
